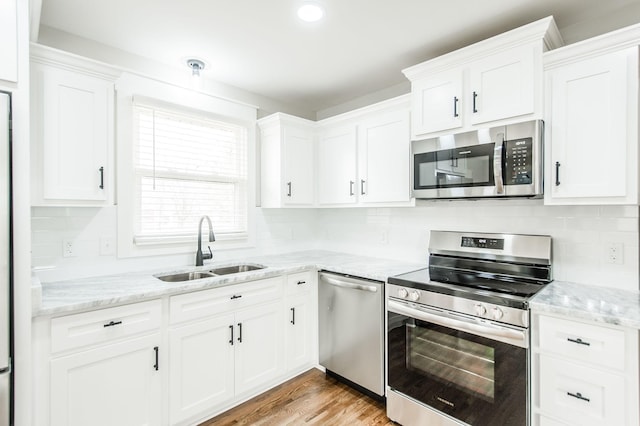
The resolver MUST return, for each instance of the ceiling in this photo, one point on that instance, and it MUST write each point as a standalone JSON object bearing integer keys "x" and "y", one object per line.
{"x": 360, "y": 47}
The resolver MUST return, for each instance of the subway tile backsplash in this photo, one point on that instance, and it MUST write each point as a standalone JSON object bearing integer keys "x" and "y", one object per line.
{"x": 581, "y": 235}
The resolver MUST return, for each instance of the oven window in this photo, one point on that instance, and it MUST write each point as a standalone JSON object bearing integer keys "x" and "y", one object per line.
{"x": 467, "y": 365}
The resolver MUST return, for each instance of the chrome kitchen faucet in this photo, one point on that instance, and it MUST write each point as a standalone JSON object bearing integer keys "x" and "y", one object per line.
{"x": 200, "y": 257}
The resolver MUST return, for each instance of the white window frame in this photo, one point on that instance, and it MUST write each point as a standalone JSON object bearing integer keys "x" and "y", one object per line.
{"x": 154, "y": 93}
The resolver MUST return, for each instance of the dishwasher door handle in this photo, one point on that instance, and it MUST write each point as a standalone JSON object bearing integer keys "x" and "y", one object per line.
{"x": 346, "y": 283}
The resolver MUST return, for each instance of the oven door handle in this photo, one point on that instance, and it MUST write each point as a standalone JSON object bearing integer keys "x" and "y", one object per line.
{"x": 490, "y": 331}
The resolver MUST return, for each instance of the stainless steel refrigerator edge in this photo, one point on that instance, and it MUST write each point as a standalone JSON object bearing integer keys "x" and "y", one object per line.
{"x": 351, "y": 329}
{"x": 5, "y": 259}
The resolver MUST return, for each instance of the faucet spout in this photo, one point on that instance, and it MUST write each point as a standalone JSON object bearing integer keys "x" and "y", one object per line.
{"x": 200, "y": 257}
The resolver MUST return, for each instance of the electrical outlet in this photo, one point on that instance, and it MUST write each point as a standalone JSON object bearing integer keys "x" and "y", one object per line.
{"x": 615, "y": 253}
{"x": 68, "y": 248}
{"x": 107, "y": 246}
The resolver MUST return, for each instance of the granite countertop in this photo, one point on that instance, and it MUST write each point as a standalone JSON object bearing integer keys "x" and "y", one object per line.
{"x": 593, "y": 303}
{"x": 64, "y": 297}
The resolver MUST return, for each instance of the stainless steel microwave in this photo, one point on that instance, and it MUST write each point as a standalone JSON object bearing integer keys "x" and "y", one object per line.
{"x": 503, "y": 161}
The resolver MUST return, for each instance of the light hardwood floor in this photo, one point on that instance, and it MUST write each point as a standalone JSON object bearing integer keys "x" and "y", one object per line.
{"x": 309, "y": 399}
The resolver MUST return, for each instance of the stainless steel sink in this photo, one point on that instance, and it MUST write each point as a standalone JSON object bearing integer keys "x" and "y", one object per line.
{"x": 184, "y": 276}
{"x": 198, "y": 275}
{"x": 235, "y": 269}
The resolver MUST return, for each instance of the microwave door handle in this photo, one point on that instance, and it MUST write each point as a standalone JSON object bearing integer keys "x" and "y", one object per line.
{"x": 497, "y": 164}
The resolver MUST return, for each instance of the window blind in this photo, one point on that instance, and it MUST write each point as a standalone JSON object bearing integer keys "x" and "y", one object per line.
{"x": 187, "y": 166}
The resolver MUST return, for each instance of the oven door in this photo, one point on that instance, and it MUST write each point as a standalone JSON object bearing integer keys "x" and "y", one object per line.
{"x": 470, "y": 369}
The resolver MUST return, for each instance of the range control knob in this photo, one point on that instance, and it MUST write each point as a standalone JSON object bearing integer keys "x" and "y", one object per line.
{"x": 497, "y": 313}
{"x": 414, "y": 295}
{"x": 480, "y": 310}
{"x": 403, "y": 293}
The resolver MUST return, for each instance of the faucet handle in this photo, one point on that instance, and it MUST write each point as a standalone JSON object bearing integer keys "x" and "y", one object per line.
{"x": 208, "y": 255}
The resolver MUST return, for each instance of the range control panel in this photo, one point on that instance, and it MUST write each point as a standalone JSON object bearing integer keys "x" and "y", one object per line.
{"x": 518, "y": 159}
{"x": 487, "y": 243}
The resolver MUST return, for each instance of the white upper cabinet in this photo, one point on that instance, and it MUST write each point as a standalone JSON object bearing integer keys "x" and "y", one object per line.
{"x": 502, "y": 85}
{"x": 592, "y": 121}
{"x": 384, "y": 156}
{"x": 287, "y": 159}
{"x": 437, "y": 102}
{"x": 337, "y": 166}
{"x": 495, "y": 80}
{"x": 72, "y": 130}
{"x": 9, "y": 40}
{"x": 364, "y": 156}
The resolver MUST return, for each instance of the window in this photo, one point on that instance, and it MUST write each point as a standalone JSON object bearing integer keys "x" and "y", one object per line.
{"x": 186, "y": 166}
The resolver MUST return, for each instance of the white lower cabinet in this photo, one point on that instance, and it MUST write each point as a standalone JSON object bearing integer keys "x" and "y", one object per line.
{"x": 583, "y": 373}
{"x": 178, "y": 360}
{"x": 117, "y": 382}
{"x": 301, "y": 310}
{"x": 201, "y": 373}
{"x": 212, "y": 361}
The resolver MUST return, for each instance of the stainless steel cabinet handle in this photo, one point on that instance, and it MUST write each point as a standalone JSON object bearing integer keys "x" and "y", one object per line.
{"x": 231, "y": 340}
{"x": 455, "y": 106}
{"x": 475, "y": 96}
{"x": 503, "y": 334}
{"x": 288, "y": 189}
{"x": 346, "y": 284}
{"x": 362, "y": 181}
{"x": 293, "y": 316}
{"x": 239, "y": 332}
{"x": 557, "y": 173}
{"x": 351, "y": 183}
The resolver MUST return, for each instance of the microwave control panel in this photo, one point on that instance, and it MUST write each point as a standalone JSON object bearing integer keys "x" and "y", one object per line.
{"x": 518, "y": 167}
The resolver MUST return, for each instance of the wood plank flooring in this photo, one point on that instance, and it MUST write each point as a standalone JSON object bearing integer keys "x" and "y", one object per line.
{"x": 309, "y": 399}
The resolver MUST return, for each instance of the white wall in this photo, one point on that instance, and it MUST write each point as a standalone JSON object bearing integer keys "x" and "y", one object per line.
{"x": 277, "y": 231}
{"x": 581, "y": 236}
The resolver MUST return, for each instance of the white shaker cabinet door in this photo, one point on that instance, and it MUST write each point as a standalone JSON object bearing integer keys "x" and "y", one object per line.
{"x": 299, "y": 332}
{"x": 593, "y": 134}
{"x": 437, "y": 103}
{"x": 337, "y": 166}
{"x": 502, "y": 85}
{"x": 77, "y": 117}
{"x": 259, "y": 342}
{"x": 9, "y": 40}
{"x": 116, "y": 384}
{"x": 298, "y": 167}
{"x": 201, "y": 366}
{"x": 384, "y": 154}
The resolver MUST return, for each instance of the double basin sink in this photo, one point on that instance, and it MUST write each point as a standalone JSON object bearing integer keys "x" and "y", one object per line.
{"x": 198, "y": 275}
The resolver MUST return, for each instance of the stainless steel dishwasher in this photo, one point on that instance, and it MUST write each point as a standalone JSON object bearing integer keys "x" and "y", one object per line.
{"x": 351, "y": 329}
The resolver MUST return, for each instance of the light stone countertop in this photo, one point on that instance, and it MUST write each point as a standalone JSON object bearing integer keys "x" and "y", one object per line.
{"x": 593, "y": 303}
{"x": 65, "y": 297}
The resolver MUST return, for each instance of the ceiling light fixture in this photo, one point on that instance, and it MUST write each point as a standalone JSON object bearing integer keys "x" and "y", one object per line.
{"x": 196, "y": 65}
{"x": 310, "y": 11}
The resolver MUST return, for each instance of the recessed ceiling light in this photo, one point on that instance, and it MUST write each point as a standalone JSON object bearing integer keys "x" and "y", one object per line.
{"x": 310, "y": 11}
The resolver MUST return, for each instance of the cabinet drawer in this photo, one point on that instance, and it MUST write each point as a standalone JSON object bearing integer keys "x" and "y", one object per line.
{"x": 202, "y": 304}
{"x": 581, "y": 395}
{"x": 299, "y": 283}
{"x": 104, "y": 325}
{"x": 583, "y": 342}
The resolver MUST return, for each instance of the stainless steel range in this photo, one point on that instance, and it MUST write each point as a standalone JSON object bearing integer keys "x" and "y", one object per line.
{"x": 458, "y": 331}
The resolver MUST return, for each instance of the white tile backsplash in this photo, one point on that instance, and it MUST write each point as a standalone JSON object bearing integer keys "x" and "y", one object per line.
{"x": 581, "y": 235}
